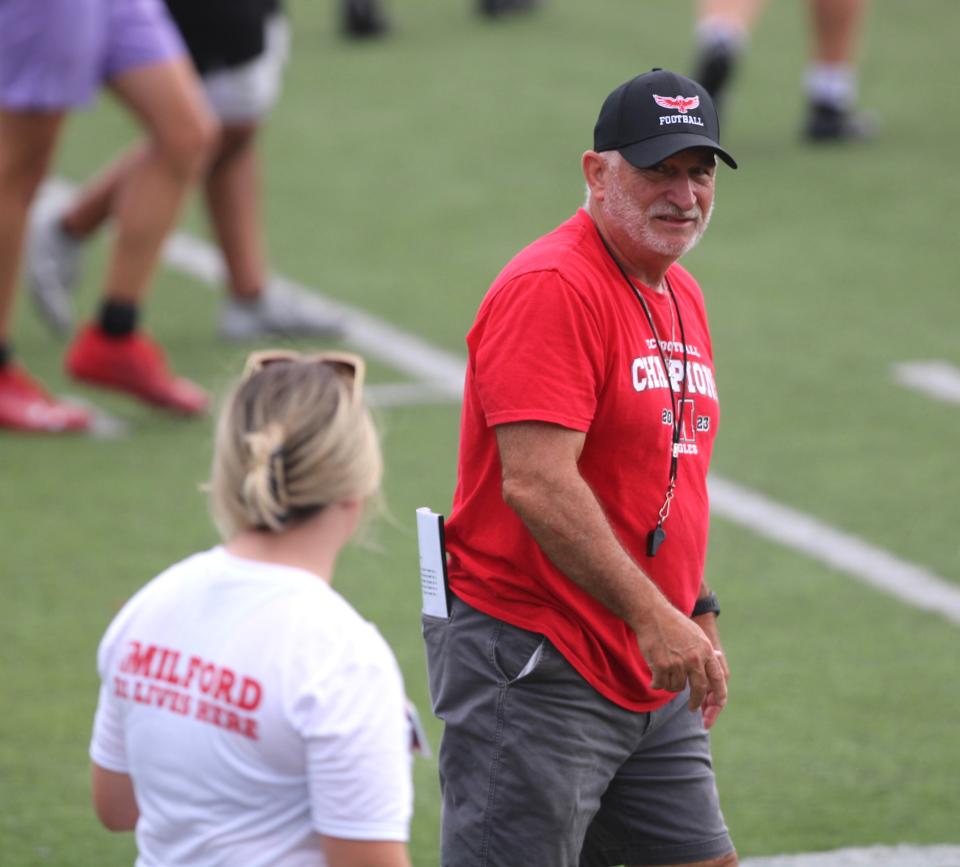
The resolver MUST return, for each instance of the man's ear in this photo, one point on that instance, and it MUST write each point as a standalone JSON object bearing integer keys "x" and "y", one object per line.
{"x": 595, "y": 169}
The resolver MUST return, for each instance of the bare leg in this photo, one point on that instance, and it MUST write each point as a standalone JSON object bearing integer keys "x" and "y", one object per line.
{"x": 837, "y": 28}
{"x": 113, "y": 354}
{"x": 92, "y": 205}
{"x": 723, "y": 27}
{"x": 742, "y": 13}
{"x": 254, "y": 308}
{"x": 27, "y": 142}
{"x": 168, "y": 100}
{"x": 232, "y": 193}
{"x": 831, "y": 80}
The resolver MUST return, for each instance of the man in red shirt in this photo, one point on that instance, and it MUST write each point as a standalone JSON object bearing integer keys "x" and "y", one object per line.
{"x": 580, "y": 666}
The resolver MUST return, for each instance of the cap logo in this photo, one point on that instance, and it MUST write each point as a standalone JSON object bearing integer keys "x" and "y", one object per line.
{"x": 679, "y": 103}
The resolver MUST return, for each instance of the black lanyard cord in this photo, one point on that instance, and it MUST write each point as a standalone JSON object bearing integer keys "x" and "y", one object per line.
{"x": 658, "y": 535}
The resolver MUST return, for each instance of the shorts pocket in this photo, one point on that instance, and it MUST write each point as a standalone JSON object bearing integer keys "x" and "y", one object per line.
{"x": 435, "y": 631}
{"x": 516, "y": 653}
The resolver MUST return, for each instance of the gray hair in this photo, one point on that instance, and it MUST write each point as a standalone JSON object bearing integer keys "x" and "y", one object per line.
{"x": 608, "y": 158}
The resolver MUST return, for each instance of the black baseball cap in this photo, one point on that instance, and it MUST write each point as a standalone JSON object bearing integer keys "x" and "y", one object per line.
{"x": 655, "y": 115}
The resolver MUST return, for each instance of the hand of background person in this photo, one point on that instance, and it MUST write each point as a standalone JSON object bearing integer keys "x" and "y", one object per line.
{"x": 679, "y": 652}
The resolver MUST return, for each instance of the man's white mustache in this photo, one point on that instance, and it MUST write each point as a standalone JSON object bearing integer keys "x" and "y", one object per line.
{"x": 677, "y": 214}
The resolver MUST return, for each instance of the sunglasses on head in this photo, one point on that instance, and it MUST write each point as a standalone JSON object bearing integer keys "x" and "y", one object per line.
{"x": 345, "y": 364}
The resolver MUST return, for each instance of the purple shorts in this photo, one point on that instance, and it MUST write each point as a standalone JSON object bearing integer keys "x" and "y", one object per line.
{"x": 54, "y": 54}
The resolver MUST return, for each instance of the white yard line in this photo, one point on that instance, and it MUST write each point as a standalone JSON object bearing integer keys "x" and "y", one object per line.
{"x": 838, "y": 550}
{"x": 405, "y": 394}
{"x": 104, "y": 426}
{"x": 873, "y": 856}
{"x": 936, "y": 379}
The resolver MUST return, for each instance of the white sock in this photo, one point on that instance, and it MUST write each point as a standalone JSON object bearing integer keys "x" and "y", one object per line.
{"x": 715, "y": 32}
{"x": 832, "y": 83}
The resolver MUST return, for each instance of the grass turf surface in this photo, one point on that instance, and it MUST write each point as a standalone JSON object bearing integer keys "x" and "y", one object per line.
{"x": 400, "y": 177}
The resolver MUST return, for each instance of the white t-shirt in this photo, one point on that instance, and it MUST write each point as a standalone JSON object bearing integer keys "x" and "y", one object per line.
{"x": 253, "y": 707}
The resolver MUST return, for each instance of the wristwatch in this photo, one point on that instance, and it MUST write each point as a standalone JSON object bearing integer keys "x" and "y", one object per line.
{"x": 708, "y": 604}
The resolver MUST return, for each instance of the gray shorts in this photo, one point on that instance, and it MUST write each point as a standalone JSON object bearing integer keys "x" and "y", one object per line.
{"x": 538, "y": 768}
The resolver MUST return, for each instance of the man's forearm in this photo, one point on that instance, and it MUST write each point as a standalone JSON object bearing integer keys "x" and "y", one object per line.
{"x": 565, "y": 518}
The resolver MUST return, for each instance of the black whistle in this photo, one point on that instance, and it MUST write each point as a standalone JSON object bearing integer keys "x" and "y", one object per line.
{"x": 655, "y": 538}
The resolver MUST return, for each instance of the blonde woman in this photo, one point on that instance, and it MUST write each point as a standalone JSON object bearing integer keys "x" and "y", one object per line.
{"x": 247, "y": 714}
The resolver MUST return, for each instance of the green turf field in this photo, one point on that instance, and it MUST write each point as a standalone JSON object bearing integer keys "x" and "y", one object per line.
{"x": 400, "y": 177}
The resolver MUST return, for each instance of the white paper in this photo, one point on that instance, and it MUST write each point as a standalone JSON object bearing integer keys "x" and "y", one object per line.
{"x": 433, "y": 566}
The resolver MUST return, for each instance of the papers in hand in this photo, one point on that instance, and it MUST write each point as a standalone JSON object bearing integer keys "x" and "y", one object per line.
{"x": 433, "y": 562}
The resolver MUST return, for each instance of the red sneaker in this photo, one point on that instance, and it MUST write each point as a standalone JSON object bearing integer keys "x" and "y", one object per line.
{"x": 25, "y": 406}
{"x": 134, "y": 364}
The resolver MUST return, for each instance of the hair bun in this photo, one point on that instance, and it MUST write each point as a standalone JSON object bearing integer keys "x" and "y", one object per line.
{"x": 264, "y": 488}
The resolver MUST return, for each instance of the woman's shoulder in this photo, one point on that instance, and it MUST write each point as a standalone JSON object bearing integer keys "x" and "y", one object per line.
{"x": 322, "y": 608}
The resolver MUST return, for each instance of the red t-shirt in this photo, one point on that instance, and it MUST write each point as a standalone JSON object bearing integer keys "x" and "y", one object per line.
{"x": 561, "y": 338}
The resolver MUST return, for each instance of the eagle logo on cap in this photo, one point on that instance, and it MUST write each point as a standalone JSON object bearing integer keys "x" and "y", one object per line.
{"x": 680, "y": 103}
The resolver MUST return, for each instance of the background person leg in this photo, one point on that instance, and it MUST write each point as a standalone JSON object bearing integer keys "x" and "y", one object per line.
{"x": 27, "y": 142}
{"x": 113, "y": 353}
{"x": 723, "y": 28}
{"x": 831, "y": 81}
{"x": 253, "y": 307}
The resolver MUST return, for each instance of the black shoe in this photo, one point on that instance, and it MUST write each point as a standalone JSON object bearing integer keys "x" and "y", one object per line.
{"x": 827, "y": 123}
{"x": 713, "y": 69}
{"x": 362, "y": 19}
{"x": 496, "y": 8}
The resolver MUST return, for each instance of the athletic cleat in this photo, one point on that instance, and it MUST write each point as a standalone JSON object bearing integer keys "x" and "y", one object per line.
{"x": 362, "y": 19}
{"x": 52, "y": 262}
{"x": 134, "y": 364}
{"x": 25, "y": 406}
{"x": 277, "y": 313}
{"x": 827, "y": 123}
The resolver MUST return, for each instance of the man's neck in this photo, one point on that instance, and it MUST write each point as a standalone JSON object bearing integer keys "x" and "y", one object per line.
{"x": 649, "y": 269}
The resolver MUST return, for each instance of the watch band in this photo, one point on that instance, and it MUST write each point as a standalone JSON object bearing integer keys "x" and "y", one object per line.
{"x": 708, "y": 604}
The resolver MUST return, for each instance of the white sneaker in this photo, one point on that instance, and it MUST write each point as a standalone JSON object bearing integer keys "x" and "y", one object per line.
{"x": 53, "y": 262}
{"x": 278, "y": 312}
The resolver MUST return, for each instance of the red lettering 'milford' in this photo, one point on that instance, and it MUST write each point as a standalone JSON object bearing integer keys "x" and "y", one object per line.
{"x": 218, "y": 682}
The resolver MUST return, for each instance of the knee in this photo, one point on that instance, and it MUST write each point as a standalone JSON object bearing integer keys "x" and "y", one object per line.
{"x": 189, "y": 146}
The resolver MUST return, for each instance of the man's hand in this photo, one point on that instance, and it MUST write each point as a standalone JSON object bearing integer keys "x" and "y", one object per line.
{"x": 679, "y": 652}
{"x": 711, "y": 704}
